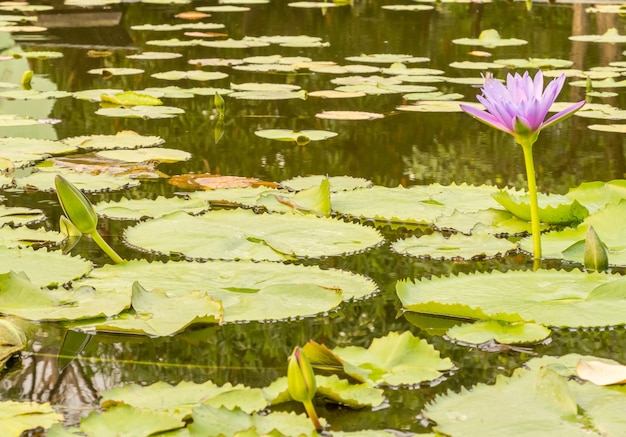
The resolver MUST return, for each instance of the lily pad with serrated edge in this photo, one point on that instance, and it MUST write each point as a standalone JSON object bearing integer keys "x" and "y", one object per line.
{"x": 453, "y": 247}
{"x": 230, "y": 43}
{"x": 124, "y": 419}
{"x": 408, "y": 8}
{"x": 43, "y": 180}
{"x": 23, "y": 237}
{"x": 138, "y": 209}
{"x": 553, "y": 209}
{"x": 548, "y": 297}
{"x": 406, "y": 205}
{"x": 387, "y": 58}
{"x": 242, "y": 234}
{"x": 19, "y": 216}
{"x": 23, "y": 151}
{"x": 484, "y": 331}
{"x": 113, "y": 71}
{"x": 154, "y": 55}
{"x": 430, "y": 96}
{"x": 145, "y": 112}
{"x": 33, "y": 94}
{"x": 43, "y": 268}
{"x": 436, "y": 106}
{"x": 247, "y": 290}
{"x": 545, "y": 400}
{"x": 190, "y": 75}
{"x": 160, "y": 154}
{"x": 349, "y": 115}
{"x": 158, "y": 313}
{"x": 542, "y": 63}
{"x": 299, "y": 137}
{"x": 122, "y": 140}
{"x": 337, "y": 183}
{"x": 20, "y": 417}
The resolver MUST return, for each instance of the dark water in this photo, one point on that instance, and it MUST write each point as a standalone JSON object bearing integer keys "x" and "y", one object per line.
{"x": 403, "y": 148}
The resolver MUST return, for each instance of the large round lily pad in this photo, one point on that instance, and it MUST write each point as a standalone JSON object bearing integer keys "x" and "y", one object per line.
{"x": 242, "y": 234}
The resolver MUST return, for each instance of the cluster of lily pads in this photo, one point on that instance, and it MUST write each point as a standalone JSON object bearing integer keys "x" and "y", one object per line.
{"x": 232, "y": 247}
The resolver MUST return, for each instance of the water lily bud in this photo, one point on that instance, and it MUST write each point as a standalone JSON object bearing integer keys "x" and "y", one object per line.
{"x": 76, "y": 206}
{"x": 218, "y": 101}
{"x": 300, "y": 377}
{"x": 596, "y": 256}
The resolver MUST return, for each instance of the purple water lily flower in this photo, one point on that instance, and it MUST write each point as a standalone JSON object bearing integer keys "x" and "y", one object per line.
{"x": 520, "y": 108}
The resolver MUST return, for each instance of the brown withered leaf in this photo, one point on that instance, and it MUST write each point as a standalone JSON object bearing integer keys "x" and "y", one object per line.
{"x": 207, "y": 181}
{"x": 601, "y": 373}
{"x": 192, "y": 15}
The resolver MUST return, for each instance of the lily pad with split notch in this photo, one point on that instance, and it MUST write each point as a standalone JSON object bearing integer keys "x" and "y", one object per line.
{"x": 299, "y": 137}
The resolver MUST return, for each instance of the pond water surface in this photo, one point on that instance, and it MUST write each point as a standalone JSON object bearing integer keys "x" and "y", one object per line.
{"x": 404, "y": 148}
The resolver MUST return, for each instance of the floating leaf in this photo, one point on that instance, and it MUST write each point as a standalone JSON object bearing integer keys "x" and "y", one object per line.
{"x": 247, "y": 291}
{"x": 19, "y": 417}
{"x": 115, "y": 71}
{"x": 539, "y": 63}
{"x": 173, "y": 27}
{"x": 387, "y": 58}
{"x": 19, "y": 216}
{"x": 496, "y": 330}
{"x": 553, "y": 208}
{"x": 131, "y": 98}
{"x": 471, "y": 65}
{"x": 348, "y": 115}
{"x": 454, "y": 247}
{"x": 299, "y": 137}
{"x": 337, "y": 183}
{"x": 158, "y": 313}
{"x": 206, "y": 181}
{"x": 139, "y": 209}
{"x": 408, "y": 8}
{"x": 179, "y": 400}
{"x": 490, "y": 38}
{"x": 596, "y": 195}
{"x": 160, "y": 154}
{"x": 146, "y": 112}
{"x": 127, "y": 420}
{"x": 26, "y": 151}
{"x": 190, "y": 75}
{"x": 436, "y": 106}
{"x": 155, "y": 55}
{"x": 548, "y": 297}
{"x": 241, "y": 234}
{"x": 222, "y": 8}
{"x": 43, "y": 268}
{"x": 394, "y": 360}
{"x": 610, "y": 36}
{"x": 26, "y": 237}
{"x": 43, "y": 180}
{"x": 28, "y": 94}
{"x": 334, "y": 94}
{"x": 122, "y": 140}
{"x": 615, "y": 128}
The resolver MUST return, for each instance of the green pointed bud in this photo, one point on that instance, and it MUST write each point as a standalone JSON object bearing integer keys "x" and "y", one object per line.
{"x": 76, "y": 206}
{"x": 300, "y": 377}
{"x": 596, "y": 256}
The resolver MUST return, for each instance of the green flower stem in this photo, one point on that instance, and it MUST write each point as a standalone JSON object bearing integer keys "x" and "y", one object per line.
{"x": 106, "y": 248}
{"x": 310, "y": 410}
{"x": 534, "y": 204}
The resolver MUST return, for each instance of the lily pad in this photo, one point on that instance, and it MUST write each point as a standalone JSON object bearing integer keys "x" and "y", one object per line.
{"x": 23, "y": 152}
{"x": 139, "y": 209}
{"x": 43, "y": 268}
{"x": 337, "y": 183}
{"x": 611, "y": 36}
{"x": 394, "y": 360}
{"x": 454, "y": 247}
{"x": 207, "y": 181}
{"x": 154, "y": 55}
{"x": 190, "y": 75}
{"x": 160, "y": 154}
{"x": 247, "y": 291}
{"x": 496, "y": 330}
{"x": 349, "y": 115}
{"x": 121, "y": 140}
{"x": 387, "y": 58}
{"x": 408, "y": 8}
{"x": 242, "y": 234}
{"x": 553, "y": 209}
{"x": 125, "y": 420}
{"x": 33, "y": 94}
{"x": 490, "y": 38}
{"x": 43, "y": 180}
{"x": 540, "y": 63}
{"x": 299, "y": 137}
{"x": 19, "y": 216}
{"x": 145, "y": 112}
{"x": 19, "y": 417}
{"x": 436, "y": 106}
{"x": 26, "y": 237}
{"x": 113, "y": 71}
{"x": 548, "y": 297}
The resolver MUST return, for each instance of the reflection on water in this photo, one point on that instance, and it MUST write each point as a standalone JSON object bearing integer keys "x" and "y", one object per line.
{"x": 403, "y": 148}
